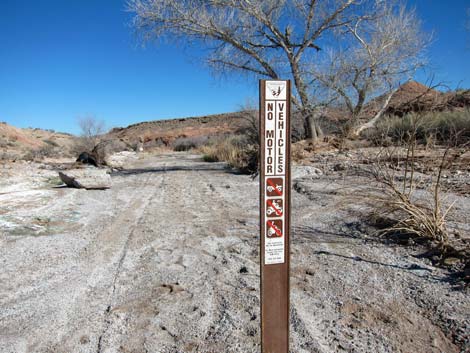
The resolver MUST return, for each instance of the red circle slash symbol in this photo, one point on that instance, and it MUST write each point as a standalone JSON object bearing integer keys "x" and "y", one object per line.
{"x": 274, "y": 229}
{"x": 274, "y": 186}
{"x": 274, "y": 206}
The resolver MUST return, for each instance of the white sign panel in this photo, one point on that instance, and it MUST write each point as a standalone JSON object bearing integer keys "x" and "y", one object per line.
{"x": 275, "y": 171}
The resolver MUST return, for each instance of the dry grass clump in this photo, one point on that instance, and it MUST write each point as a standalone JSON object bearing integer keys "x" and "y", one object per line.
{"x": 240, "y": 151}
{"x": 189, "y": 143}
{"x": 235, "y": 151}
{"x": 51, "y": 143}
{"x": 40, "y": 153}
{"x": 396, "y": 171}
{"x": 396, "y": 201}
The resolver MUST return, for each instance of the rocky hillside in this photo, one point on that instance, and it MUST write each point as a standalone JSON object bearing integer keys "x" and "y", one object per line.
{"x": 416, "y": 97}
{"x": 163, "y": 133}
{"x": 410, "y": 97}
{"x": 20, "y": 143}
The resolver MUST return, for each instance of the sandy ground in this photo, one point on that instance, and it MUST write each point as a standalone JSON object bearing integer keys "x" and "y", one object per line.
{"x": 167, "y": 261}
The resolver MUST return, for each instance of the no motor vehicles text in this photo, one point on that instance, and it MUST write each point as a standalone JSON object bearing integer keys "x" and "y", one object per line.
{"x": 275, "y": 137}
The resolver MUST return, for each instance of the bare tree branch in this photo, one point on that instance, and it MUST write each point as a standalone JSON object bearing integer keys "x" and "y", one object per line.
{"x": 282, "y": 38}
{"x": 384, "y": 47}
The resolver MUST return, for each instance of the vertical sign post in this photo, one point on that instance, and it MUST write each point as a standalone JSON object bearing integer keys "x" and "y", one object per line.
{"x": 275, "y": 214}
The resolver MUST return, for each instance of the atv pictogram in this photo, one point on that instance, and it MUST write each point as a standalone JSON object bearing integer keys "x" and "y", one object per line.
{"x": 272, "y": 188}
{"x": 274, "y": 207}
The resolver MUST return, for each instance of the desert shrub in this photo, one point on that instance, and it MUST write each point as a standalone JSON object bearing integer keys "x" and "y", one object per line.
{"x": 421, "y": 216}
{"x": 235, "y": 150}
{"x": 5, "y": 156}
{"x": 397, "y": 206}
{"x": 51, "y": 142}
{"x": 209, "y": 155}
{"x": 189, "y": 143}
{"x": 425, "y": 219}
{"x": 451, "y": 126}
{"x": 397, "y": 129}
{"x": 445, "y": 128}
{"x": 250, "y": 125}
{"x": 80, "y": 145}
{"x": 39, "y": 154}
{"x": 91, "y": 134}
{"x": 91, "y": 130}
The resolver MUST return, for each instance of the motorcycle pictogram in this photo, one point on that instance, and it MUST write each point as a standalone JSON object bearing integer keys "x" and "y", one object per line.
{"x": 274, "y": 229}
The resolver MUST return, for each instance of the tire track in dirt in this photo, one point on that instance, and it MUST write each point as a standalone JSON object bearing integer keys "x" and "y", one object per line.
{"x": 143, "y": 203}
{"x": 101, "y": 262}
{"x": 190, "y": 263}
{"x": 67, "y": 283}
{"x": 167, "y": 261}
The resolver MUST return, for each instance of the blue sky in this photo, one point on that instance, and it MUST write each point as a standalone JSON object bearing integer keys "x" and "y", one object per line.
{"x": 60, "y": 60}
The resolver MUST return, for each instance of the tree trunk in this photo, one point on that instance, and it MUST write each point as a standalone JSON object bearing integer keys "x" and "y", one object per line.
{"x": 312, "y": 128}
{"x": 377, "y": 116}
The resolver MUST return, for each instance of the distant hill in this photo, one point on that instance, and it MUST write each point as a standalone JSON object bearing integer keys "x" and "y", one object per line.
{"x": 410, "y": 97}
{"x": 17, "y": 143}
{"x": 163, "y": 133}
{"x": 416, "y": 97}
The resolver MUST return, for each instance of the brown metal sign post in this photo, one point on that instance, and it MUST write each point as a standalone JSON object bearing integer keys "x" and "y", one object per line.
{"x": 275, "y": 214}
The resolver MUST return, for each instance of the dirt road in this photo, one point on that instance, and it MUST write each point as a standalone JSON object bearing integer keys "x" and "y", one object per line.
{"x": 167, "y": 261}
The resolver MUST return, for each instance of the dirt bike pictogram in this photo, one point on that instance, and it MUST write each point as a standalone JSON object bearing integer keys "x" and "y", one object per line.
{"x": 274, "y": 229}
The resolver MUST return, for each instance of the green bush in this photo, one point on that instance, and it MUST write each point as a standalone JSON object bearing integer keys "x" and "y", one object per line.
{"x": 445, "y": 128}
{"x": 449, "y": 126}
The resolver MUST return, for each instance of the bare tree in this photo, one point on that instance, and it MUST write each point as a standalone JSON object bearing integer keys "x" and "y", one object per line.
{"x": 380, "y": 50}
{"x": 91, "y": 130}
{"x": 271, "y": 38}
{"x": 250, "y": 125}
